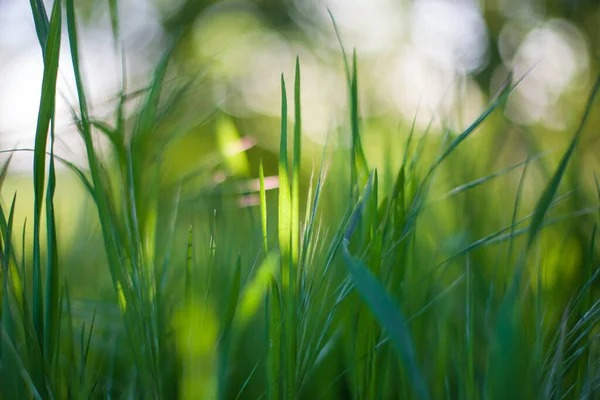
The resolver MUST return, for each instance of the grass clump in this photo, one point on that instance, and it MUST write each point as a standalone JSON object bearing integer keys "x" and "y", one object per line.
{"x": 370, "y": 285}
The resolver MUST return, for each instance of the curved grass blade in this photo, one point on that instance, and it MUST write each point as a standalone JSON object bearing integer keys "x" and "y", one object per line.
{"x": 358, "y": 161}
{"x": 389, "y": 316}
{"x": 52, "y": 306}
{"x": 548, "y": 195}
{"x": 381, "y": 304}
{"x": 45, "y": 114}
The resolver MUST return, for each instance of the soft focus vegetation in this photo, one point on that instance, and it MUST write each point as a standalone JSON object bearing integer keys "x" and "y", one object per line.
{"x": 194, "y": 253}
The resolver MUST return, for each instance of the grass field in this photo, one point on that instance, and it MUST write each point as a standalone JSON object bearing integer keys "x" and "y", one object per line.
{"x": 455, "y": 265}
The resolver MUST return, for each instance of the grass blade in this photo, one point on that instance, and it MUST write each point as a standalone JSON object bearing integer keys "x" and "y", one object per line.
{"x": 274, "y": 345}
{"x": 45, "y": 114}
{"x": 42, "y": 24}
{"x": 389, "y": 316}
{"x": 548, "y": 195}
{"x": 263, "y": 208}
{"x": 52, "y": 306}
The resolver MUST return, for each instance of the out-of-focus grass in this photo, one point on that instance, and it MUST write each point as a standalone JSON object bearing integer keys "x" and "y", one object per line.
{"x": 405, "y": 265}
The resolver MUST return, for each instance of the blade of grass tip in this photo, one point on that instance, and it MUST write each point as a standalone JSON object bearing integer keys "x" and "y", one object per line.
{"x": 356, "y": 213}
{"x": 10, "y": 259}
{"x": 149, "y": 111}
{"x": 284, "y": 228}
{"x": 51, "y": 304}
{"x": 503, "y": 95}
{"x": 42, "y": 24}
{"x": 314, "y": 203}
{"x": 352, "y": 82}
{"x": 295, "y": 220}
{"x": 339, "y": 38}
{"x": 389, "y": 316}
{"x": 480, "y": 181}
{"x": 263, "y": 207}
{"x": 45, "y": 114}
{"x": 114, "y": 20}
{"x": 358, "y": 160}
{"x": 552, "y": 187}
{"x": 516, "y": 205}
{"x": 290, "y": 302}
{"x": 274, "y": 345}
{"x": 7, "y": 234}
{"x": 410, "y": 136}
{"x": 9, "y": 252}
{"x": 4, "y": 171}
{"x": 284, "y": 206}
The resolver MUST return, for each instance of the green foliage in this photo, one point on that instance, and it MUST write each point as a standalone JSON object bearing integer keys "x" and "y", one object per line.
{"x": 395, "y": 282}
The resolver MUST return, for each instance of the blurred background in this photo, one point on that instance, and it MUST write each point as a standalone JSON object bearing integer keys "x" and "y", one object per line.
{"x": 442, "y": 57}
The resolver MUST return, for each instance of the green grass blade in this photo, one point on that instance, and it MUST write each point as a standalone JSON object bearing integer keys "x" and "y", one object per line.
{"x": 263, "y": 208}
{"x": 52, "y": 307}
{"x": 112, "y": 245}
{"x": 499, "y": 101}
{"x": 274, "y": 339}
{"x": 339, "y": 38}
{"x": 295, "y": 224}
{"x": 550, "y": 191}
{"x": 42, "y": 24}
{"x": 290, "y": 292}
{"x": 9, "y": 383}
{"x": 20, "y": 371}
{"x": 389, "y": 316}
{"x": 358, "y": 162}
{"x": 45, "y": 114}
{"x": 234, "y": 295}
{"x": 284, "y": 206}
{"x": 248, "y": 379}
{"x": 10, "y": 259}
{"x": 480, "y": 181}
{"x": 113, "y": 9}
{"x": 188, "y": 271}
{"x": 285, "y": 235}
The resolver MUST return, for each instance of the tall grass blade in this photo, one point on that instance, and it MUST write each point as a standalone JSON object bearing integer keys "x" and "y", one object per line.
{"x": 274, "y": 342}
{"x": 42, "y": 24}
{"x": 390, "y": 318}
{"x": 550, "y": 191}
{"x": 45, "y": 114}
{"x": 9, "y": 381}
{"x": 358, "y": 162}
{"x": 52, "y": 306}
